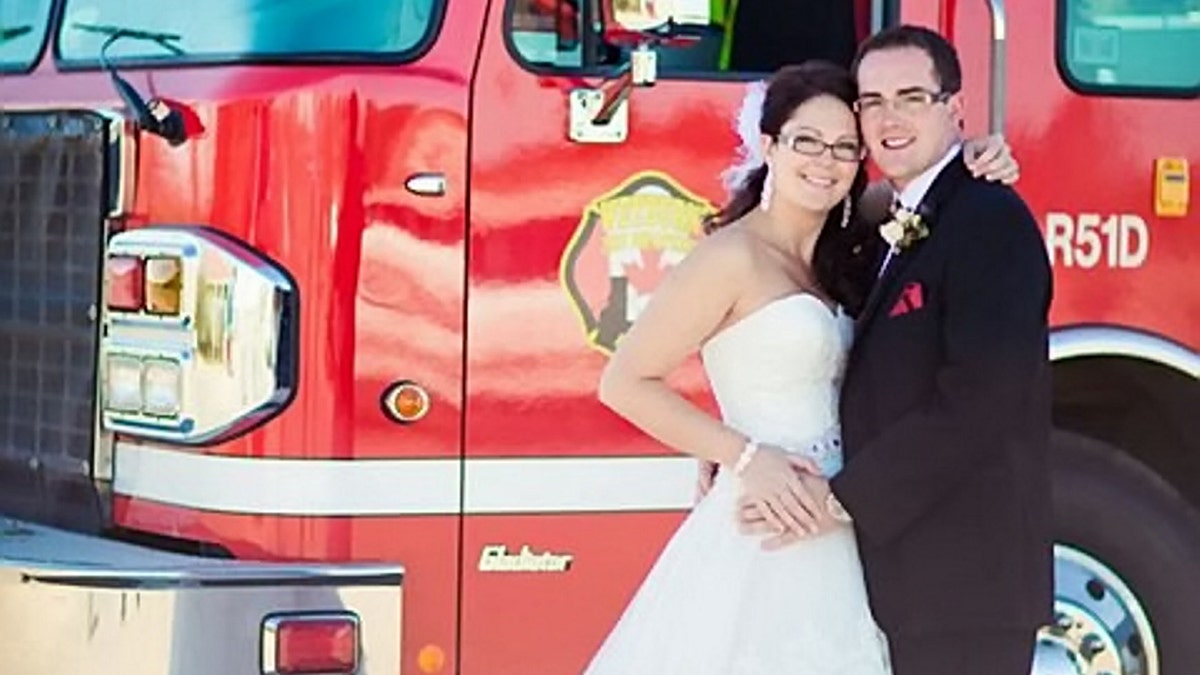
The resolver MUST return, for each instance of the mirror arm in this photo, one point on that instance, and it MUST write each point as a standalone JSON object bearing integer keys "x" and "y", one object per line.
{"x": 616, "y": 91}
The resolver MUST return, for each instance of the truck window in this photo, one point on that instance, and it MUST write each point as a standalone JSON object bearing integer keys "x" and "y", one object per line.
{"x": 1139, "y": 46}
{"x": 742, "y": 36}
{"x": 22, "y": 32}
{"x": 249, "y": 30}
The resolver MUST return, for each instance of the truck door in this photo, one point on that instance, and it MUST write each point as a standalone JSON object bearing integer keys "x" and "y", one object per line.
{"x": 572, "y": 224}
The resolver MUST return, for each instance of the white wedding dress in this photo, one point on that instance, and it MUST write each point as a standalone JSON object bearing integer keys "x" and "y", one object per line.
{"x": 714, "y": 602}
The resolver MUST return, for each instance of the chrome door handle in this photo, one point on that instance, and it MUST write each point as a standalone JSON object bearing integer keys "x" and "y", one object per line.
{"x": 426, "y": 184}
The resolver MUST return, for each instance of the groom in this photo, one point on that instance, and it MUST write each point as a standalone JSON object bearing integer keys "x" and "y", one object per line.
{"x": 945, "y": 405}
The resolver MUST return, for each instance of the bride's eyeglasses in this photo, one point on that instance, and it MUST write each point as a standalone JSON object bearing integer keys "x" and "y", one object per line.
{"x": 805, "y": 144}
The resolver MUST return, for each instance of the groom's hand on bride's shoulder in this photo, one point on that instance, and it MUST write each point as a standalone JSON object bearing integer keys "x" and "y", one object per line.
{"x": 991, "y": 158}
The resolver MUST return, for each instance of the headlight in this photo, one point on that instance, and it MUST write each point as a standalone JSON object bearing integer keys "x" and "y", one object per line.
{"x": 123, "y": 383}
{"x": 161, "y": 387}
{"x": 199, "y": 336}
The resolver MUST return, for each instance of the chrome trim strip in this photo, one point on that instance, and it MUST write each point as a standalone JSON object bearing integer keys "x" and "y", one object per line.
{"x": 36, "y": 553}
{"x": 998, "y": 66}
{"x": 233, "y": 574}
{"x": 1082, "y": 341}
{"x": 580, "y": 484}
{"x": 121, "y": 156}
{"x": 403, "y": 486}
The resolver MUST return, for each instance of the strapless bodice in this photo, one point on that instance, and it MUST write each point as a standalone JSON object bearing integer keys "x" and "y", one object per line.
{"x": 776, "y": 374}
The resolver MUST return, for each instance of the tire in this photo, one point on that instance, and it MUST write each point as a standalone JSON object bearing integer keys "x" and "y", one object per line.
{"x": 1112, "y": 511}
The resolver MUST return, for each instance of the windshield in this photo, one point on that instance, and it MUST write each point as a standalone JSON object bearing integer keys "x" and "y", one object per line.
{"x": 22, "y": 31}
{"x": 212, "y": 30}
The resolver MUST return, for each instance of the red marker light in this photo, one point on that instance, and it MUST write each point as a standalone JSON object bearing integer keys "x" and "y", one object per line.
{"x": 125, "y": 285}
{"x": 315, "y": 643}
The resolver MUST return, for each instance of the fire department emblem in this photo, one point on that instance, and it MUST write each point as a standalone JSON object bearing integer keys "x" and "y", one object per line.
{"x": 626, "y": 242}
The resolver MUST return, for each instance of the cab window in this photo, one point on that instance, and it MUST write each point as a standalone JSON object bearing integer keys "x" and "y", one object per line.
{"x": 22, "y": 32}
{"x": 224, "y": 30}
{"x": 723, "y": 36}
{"x": 1143, "y": 46}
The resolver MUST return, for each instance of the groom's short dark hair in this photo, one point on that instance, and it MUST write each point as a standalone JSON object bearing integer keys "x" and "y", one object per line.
{"x": 946, "y": 67}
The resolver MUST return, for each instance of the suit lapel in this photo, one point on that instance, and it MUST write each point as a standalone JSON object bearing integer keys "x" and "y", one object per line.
{"x": 883, "y": 287}
{"x": 939, "y": 193}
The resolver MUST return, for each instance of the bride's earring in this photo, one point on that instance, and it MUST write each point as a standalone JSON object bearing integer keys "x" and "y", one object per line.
{"x": 764, "y": 200}
{"x": 846, "y": 213}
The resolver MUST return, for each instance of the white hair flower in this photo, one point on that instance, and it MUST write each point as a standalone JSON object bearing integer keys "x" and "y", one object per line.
{"x": 750, "y": 155}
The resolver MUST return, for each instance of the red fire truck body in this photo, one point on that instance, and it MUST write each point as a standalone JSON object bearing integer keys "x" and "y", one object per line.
{"x": 398, "y": 272}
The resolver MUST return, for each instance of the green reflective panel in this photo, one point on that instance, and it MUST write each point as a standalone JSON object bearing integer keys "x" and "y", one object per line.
{"x": 1123, "y": 44}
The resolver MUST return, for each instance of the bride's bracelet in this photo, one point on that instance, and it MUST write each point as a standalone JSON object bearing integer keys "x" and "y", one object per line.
{"x": 743, "y": 459}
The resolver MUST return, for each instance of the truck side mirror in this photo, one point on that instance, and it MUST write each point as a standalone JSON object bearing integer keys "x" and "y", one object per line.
{"x": 638, "y": 26}
{"x": 600, "y": 114}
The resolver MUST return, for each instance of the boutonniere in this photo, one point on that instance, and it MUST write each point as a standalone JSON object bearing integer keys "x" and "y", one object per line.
{"x": 904, "y": 229}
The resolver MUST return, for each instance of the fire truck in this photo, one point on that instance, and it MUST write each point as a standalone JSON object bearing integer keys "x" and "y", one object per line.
{"x": 303, "y": 307}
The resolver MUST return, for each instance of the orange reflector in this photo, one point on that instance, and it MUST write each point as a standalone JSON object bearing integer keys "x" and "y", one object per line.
{"x": 124, "y": 275}
{"x": 431, "y": 659}
{"x": 317, "y": 643}
{"x": 164, "y": 285}
{"x": 411, "y": 403}
{"x": 406, "y": 402}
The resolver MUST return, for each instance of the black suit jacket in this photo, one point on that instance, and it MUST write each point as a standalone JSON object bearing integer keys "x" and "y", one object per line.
{"x": 946, "y": 418}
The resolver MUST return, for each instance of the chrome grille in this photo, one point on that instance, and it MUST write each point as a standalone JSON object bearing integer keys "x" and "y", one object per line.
{"x": 51, "y": 243}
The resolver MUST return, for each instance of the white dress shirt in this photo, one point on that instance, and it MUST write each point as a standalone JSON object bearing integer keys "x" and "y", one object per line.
{"x": 912, "y": 195}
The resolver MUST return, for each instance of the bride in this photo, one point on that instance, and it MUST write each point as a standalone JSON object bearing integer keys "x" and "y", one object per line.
{"x": 767, "y": 299}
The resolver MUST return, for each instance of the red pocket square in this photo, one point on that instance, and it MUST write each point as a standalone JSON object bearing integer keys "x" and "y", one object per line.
{"x": 911, "y": 299}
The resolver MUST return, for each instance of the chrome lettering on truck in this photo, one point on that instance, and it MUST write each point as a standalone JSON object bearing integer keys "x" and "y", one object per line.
{"x": 496, "y": 558}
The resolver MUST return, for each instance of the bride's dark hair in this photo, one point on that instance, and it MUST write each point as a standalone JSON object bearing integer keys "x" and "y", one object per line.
{"x": 838, "y": 258}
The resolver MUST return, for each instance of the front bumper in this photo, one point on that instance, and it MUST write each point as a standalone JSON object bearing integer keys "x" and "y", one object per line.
{"x": 74, "y": 604}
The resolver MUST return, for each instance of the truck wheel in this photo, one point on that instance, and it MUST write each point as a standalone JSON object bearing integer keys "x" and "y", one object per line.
{"x": 1126, "y": 584}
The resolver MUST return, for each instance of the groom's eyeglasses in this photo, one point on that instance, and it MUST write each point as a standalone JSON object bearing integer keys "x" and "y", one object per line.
{"x": 843, "y": 151}
{"x": 908, "y": 102}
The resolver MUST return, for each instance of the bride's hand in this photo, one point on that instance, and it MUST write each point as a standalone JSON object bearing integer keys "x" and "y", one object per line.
{"x": 826, "y": 523}
{"x": 752, "y": 522}
{"x": 992, "y": 158}
{"x": 771, "y": 482}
